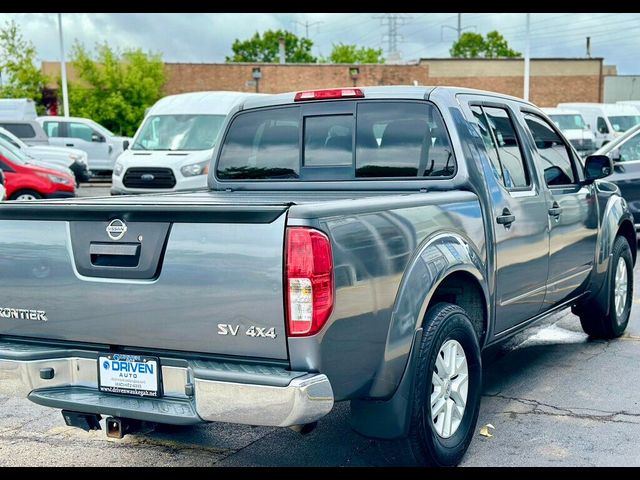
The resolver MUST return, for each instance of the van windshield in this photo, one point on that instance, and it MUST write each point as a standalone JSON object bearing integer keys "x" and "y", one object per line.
{"x": 179, "y": 132}
{"x": 568, "y": 121}
{"x": 11, "y": 153}
{"x": 622, "y": 123}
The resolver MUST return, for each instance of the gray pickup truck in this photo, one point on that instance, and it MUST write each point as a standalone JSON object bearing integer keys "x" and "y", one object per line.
{"x": 354, "y": 244}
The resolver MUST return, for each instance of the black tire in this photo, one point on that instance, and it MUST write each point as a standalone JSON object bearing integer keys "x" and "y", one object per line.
{"x": 33, "y": 193}
{"x": 611, "y": 325}
{"x": 423, "y": 446}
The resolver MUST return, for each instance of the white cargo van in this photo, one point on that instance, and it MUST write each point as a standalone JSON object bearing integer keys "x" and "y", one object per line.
{"x": 17, "y": 109}
{"x": 633, "y": 103}
{"x": 172, "y": 148}
{"x": 574, "y": 128}
{"x": 606, "y": 120}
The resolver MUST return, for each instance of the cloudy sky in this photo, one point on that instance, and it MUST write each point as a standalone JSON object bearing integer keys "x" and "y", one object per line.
{"x": 191, "y": 37}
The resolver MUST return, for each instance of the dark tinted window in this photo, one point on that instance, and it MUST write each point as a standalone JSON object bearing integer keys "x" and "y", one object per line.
{"x": 602, "y": 125}
{"x": 397, "y": 139}
{"x": 514, "y": 171}
{"x": 20, "y": 130}
{"x": 328, "y": 141}
{"x": 261, "y": 145}
{"x": 488, "y": 142}
{"x": 552, "y": 153}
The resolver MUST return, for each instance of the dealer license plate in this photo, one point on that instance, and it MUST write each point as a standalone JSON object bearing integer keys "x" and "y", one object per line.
{"x": 129, "y": 374}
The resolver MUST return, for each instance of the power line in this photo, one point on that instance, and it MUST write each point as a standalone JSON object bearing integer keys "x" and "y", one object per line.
{"x": 392, "y": 21}
{"x": 306, "y": 24}
{"x": 458, "y": 29}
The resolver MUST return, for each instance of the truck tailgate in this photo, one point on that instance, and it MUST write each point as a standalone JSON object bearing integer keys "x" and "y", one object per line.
{"x": 167, "y": 283}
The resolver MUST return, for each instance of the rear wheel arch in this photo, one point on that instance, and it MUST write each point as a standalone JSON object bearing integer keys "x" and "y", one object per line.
{"x": 465, "y": 290}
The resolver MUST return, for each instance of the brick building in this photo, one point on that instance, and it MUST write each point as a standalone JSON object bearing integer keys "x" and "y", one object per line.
{"x": 552, "y": 80}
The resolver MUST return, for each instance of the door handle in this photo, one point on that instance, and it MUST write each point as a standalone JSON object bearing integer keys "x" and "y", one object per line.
{"x": 555, "y": 210}
{"x": 69, "y": 144}
{"x": 506, "y": 219}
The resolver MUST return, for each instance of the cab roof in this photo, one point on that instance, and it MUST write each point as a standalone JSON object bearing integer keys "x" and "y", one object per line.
{"x": 213, "y": 102}
{"x": 376, "y": 92}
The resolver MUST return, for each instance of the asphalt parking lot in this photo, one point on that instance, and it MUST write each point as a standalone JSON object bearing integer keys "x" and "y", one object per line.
{"x": 554, "y": 397}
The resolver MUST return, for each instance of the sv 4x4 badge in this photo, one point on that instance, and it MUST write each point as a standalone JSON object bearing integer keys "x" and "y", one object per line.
{"x": 252, "y": 331}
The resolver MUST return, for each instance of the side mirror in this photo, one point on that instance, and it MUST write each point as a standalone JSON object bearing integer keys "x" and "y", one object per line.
{"x": 125, "y": 144}
{"x": 96, "y": 137}
{"x": 597, "y": 166}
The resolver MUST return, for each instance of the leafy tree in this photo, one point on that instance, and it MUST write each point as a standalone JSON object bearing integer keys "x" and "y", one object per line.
{"x": 474, "y": 45}
{"x": 469, "y": 45}
{"x": 21, "y": 78}
{"x": 265, "y": 48}
{"x": 495, "y": 45}
{"x": 116, "y": 87}
{"x": 342, "y": 53}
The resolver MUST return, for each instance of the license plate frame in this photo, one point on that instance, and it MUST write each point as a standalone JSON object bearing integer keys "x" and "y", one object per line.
{"x": 127, "y": 389}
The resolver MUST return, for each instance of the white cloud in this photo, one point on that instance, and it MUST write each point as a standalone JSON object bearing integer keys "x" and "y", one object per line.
{"x": 190, "y": 37}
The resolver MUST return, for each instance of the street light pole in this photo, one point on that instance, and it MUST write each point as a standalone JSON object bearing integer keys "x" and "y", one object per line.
{"x": 63, "y": 66}
{"x": 526, "y": 61}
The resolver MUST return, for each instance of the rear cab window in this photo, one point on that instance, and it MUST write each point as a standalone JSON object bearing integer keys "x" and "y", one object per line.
{"x": 20, "y": 130}
{"x": 375, "y": 139}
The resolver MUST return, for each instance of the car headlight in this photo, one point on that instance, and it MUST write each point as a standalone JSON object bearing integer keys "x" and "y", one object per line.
{"x": 57, "y": 179}
{"x": 194, "y": 169}
{"x": 117, "y": 169}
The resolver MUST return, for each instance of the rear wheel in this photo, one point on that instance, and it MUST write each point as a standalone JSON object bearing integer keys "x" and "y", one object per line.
{"x": 23, "y": 195}
{"x": 620, "y": 296}
{"x": 447, "y": 389}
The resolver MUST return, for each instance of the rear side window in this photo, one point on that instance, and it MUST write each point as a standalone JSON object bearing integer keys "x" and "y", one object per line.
{"x": 514, "y": 171}
{"x": 52, "y": 129}
{"x": 384, "y": 140}
{"x": 488, "y": 141}
{"x": 20, "y": 130}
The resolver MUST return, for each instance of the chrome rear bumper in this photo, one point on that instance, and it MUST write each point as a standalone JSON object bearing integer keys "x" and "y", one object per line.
{"x": 193, "y": 391}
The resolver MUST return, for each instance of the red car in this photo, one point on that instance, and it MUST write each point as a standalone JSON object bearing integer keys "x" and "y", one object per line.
{"x": 30, "y": 182}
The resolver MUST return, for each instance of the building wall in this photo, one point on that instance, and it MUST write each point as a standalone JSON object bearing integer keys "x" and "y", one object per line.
{"x": 552, "y": 80}
{"x": 624, "y": 87}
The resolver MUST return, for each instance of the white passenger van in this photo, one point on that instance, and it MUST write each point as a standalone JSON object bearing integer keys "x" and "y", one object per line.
{"x": 574, "y": 128}
{"x": 173, "y": 146}
{"x": 606, "y": 120}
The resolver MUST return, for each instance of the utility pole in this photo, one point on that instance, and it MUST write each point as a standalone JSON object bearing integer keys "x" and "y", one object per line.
{"x": 526, "y": 61}
{"x": 459, "y": 29}
{"x": 63, "y": 66}
{"x": 589, "y": 47}
{"x": 392, "y": 21}
{"x": 306, "y": 24}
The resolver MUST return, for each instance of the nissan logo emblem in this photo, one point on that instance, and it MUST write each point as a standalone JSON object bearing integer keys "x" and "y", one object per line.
{"x": 116, "y": 229}
{"x": 147, "y": 177}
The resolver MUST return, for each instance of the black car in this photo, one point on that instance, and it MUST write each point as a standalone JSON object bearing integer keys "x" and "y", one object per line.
{"x": 625, "y": 153}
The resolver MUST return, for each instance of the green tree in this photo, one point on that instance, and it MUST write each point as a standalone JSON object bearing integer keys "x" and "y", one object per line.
{"x": 469, "y": 45}
{"x": 474, "y": 45}
{"x": 344, "y": 53}
{"x": 265, "y": 48}
{"x": 495, "y": 45}
{"x": 116, "y": 87}
{"x": 21, "y": 78}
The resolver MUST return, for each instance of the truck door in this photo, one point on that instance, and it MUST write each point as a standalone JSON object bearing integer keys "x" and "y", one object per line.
{"x": 521, "y": 238}
{"x": 572, "y": 212}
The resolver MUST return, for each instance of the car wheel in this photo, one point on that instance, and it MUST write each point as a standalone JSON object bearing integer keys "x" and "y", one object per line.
{"x": 447, "y": 387}
{"x": 620, "y": 296}
{"x": 24, "y": 195}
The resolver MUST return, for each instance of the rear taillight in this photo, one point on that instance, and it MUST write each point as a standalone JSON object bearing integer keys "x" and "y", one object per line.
{"x": 329, "y": 94}
{"x": 308, "y": 281}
